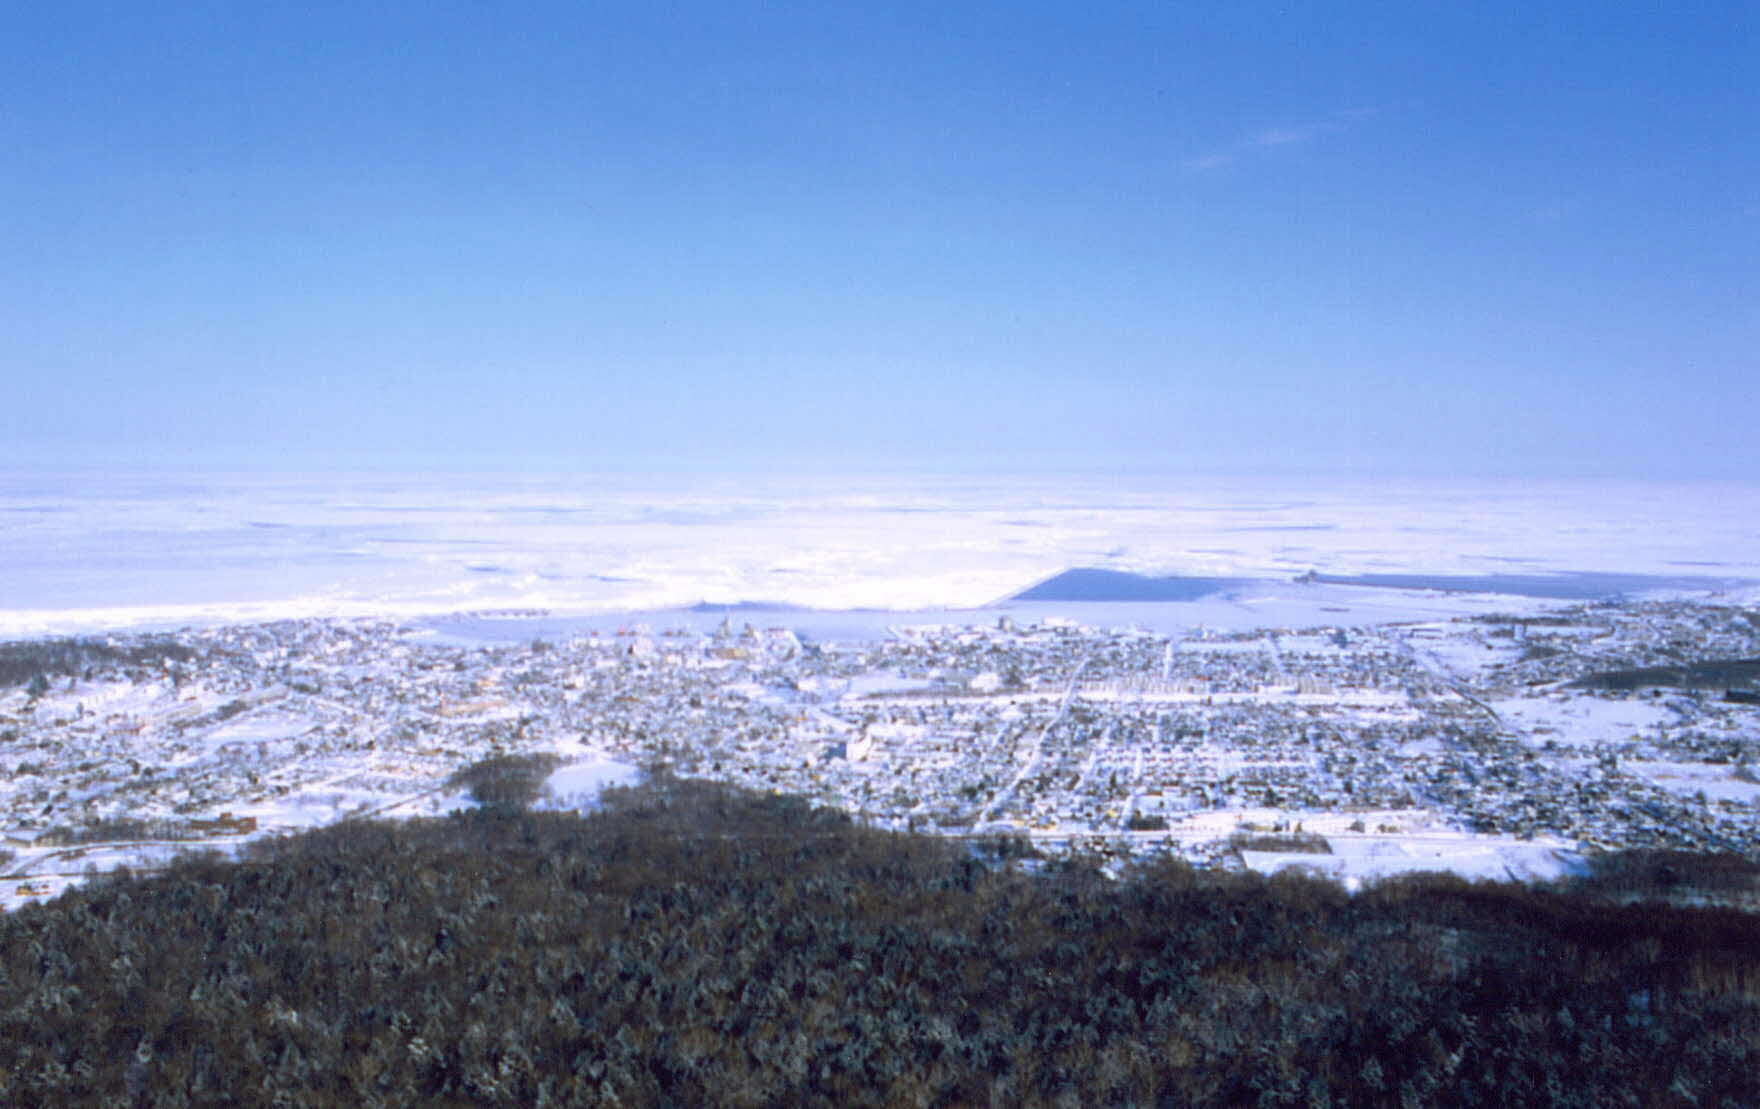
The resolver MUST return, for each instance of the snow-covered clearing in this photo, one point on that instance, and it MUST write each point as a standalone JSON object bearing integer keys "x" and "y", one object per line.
{"x": 1576, "y": 720}
{"x": 577, "y": 787}
{"x": 1357, "y": 859}
{"x": 1717, "y": 782}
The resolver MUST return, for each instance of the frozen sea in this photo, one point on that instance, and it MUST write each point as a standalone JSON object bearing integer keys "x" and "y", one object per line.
{"x": 102, "y": 550}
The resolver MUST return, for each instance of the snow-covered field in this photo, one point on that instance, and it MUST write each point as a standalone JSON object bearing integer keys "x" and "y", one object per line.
{"x": 576, "y": 787}
{"x": 1716, "y": 782}
{"x": 1577, "y": 721}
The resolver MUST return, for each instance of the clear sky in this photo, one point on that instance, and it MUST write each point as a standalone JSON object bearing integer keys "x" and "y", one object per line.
{"x": 1403, "y": 237}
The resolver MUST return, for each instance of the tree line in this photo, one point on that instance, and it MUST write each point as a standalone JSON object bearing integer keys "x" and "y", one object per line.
{"x": 695, "y": 944}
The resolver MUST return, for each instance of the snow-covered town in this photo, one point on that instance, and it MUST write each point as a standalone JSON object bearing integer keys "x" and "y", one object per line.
{"x": 1491, "y": 745}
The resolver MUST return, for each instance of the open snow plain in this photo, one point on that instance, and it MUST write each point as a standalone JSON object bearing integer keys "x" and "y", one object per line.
{"x": 859, "y": 640}
{"x": 104, "y": 550}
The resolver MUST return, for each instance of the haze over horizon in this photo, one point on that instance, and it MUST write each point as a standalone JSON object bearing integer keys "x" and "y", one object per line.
{"x": 1363, "y": 238}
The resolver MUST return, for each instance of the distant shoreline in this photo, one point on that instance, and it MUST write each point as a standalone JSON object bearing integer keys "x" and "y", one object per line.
{"x": 1167, "y": 605}
{"x": 1090, "y": 596}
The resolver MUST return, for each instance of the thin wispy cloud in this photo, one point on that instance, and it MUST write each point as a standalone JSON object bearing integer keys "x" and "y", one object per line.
{"x": 1274, "y": 137}
{"x": 1284, "y": 136}
{"x": 1210, "y": 161}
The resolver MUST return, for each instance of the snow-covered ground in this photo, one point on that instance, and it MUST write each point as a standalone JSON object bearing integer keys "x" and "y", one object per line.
{"x": 1718, "y": 782}
{"x": 1354, "y": 860}
{"x": 576, "y": 787}
{"x": 1579, "y": 720}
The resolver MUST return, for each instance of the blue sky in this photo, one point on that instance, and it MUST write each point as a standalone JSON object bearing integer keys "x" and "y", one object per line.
{"x": 1372, "y": 238}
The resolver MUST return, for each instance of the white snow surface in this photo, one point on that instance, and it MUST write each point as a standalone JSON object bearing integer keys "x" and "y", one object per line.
{"x": 1717, "y": 782}
{"x": 1357, "y": 859}
{"x": 578, "y": 785}
{"x": 91, "y": 550}
{"x": 1583, "y": 720}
